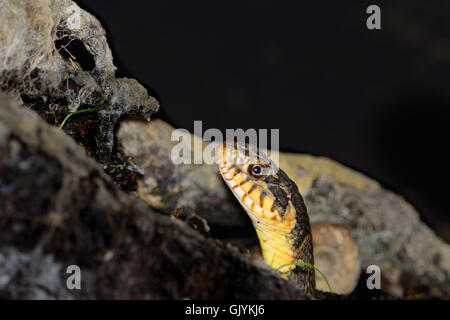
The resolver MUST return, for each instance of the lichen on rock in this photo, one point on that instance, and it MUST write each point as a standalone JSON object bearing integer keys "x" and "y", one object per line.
{"x": 54, "y": 57}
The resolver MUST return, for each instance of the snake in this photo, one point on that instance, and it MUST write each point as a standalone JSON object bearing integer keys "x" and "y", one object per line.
{"x": 276, "y": 208}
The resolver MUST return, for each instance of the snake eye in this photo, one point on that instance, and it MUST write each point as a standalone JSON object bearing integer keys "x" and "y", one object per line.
{"x": 256, "y": 170}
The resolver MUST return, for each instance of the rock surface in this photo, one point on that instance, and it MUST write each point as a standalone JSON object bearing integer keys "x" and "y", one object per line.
{"x": 54, "y": 57}
{"x": 168, "y": 186}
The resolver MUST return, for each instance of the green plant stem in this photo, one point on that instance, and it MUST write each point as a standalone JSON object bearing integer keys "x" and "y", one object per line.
{"x": 301, "y": 263}
{"x": 72, "y": 113}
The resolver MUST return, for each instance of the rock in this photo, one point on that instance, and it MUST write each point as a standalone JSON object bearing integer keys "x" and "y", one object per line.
{"x": 59, "y": 208}
{"x": 389, "y": 234}
{"x": 54, "y": 57}
{"x": 388, "y": 230}
{"x": 169, "y": 187}
{"x": 335, "y": 255}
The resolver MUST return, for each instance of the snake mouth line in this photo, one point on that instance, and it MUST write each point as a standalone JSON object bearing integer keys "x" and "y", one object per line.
{"x": 243, "y": 195}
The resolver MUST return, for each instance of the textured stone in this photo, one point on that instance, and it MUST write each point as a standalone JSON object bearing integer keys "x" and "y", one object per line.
{"x": 167, "y": 186}
{"x": 54, "y": 57}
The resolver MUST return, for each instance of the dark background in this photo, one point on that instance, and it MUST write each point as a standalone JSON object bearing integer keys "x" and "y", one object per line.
{"x": 377, "y": 101}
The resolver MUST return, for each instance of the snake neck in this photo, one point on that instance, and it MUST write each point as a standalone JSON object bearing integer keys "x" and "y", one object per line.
{"x": 302, "y": 245}
{"x": 302, "y": 251}
{"x": 288, "y": 246}
{"x": 289, "y": 251}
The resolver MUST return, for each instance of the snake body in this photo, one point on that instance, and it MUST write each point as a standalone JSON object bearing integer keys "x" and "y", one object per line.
{"x": 275, "y": 207}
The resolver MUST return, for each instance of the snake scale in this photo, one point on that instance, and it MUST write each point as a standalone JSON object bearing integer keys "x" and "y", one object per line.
{"x": 275, "y": 207}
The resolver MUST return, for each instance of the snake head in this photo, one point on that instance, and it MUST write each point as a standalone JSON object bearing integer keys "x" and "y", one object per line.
{"x": 261, "y": 187}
